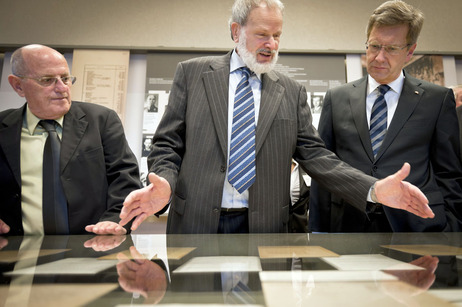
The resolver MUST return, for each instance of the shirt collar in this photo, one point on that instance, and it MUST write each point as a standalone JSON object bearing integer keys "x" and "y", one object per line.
{"x": 32, "y": 121}
{"x": 396, "y": 85}
{"x": 237, "y": 62}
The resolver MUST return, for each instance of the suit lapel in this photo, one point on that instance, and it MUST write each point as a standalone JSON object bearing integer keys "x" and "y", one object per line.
{"x": 358, "y": 108}
{"x": 271, "y": 97}
{"x": 408, "y": 100}
{"x": 74, "y": 127}
{"x": 10, "y": 129}
{"x": 216, "y": 83}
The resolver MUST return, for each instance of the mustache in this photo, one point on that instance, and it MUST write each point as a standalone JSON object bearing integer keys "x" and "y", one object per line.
{"x": 263, "y": 50}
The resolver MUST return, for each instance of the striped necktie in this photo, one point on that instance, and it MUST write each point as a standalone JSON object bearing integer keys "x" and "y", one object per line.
{"x": 241, "y": 172}
{"x": 378, "y": 125}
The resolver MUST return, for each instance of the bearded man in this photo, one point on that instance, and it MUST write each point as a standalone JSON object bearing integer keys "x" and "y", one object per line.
{"x": 222, "y": 153}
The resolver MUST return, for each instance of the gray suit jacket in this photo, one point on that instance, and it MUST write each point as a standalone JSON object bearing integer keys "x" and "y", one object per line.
{"x": 423, "y": 132}
{"x": 98, "y": 169}
{"x": 190, "y": 150}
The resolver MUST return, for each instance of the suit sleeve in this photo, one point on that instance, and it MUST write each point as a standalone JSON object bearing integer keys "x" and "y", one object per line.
{"x": 320, "y": 198}
{"x": 169, "y": 140}
{"x": 122, "y": 171}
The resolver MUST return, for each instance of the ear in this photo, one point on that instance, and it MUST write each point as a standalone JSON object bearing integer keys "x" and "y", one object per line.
{"x": 235, "y": 30}
{"x": 410, "y": 52}
{"x": 16, "y": 84}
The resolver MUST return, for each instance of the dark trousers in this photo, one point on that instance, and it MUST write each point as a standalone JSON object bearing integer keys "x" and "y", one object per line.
{"x": 234, "y": 221}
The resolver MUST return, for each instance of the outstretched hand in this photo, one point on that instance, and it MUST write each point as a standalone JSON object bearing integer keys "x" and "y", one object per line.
{"x": 146, "y": 201}
{"x": 393, "y": 192}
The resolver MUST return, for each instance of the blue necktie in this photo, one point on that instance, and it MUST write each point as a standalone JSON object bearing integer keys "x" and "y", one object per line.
{"x": 241, "y": 172}
{"x": 55, "y": 217}
{"x": 378, "y": 125}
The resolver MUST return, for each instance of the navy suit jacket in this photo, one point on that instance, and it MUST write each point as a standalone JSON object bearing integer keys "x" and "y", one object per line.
{"x": 98, "y": 169}
{"x": 424, "y": 132}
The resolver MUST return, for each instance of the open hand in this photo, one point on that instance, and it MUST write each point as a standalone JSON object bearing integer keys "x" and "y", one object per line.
{"x": 393, "y": 192}
{"x": 146, "y": 201}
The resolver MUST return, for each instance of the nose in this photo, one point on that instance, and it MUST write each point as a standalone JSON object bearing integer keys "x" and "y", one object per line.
{"x": 272, "y": 43}
{"x": 60, "y": 82}
{"x": 60, "y": 85}
{"x": 381, "y": 55}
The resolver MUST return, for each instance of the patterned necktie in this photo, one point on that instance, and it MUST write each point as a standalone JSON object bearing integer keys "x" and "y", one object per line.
{"x": 378, "y": 126}
{"x": 241, "y": 172}
{"x": 55, "y": 217}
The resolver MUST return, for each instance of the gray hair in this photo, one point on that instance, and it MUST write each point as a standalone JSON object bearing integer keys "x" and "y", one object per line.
{"x": 242, "y": 8}
{"x": 18, "y": 65}
{"x": 397, "y": 12}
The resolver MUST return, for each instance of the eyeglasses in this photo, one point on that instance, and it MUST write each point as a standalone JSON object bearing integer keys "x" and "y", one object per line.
{"x": 390, "y": 49}
{"x": 48, "y": 81}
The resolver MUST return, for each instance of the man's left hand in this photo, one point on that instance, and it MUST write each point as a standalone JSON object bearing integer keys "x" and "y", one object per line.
{"x": 393, "y": 192}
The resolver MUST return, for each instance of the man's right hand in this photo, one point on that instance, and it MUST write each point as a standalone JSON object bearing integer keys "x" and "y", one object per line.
{"x": 4, "y": 228}
{"x": 146, "y": 201}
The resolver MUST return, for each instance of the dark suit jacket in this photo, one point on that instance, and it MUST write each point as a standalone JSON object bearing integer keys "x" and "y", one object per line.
{"x": 98, "y": 169}
{"x": 190, "y": 149}
{"x": 423, "y": 132}
{"x": 459, "y": 117}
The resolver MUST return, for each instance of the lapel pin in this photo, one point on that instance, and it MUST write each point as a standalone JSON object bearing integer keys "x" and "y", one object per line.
{"x": 416, "y": 92}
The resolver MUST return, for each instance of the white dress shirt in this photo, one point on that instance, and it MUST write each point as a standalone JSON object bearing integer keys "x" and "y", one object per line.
{"x": 391, "y": 97}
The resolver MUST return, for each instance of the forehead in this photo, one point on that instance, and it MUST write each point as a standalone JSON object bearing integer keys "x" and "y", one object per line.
{"x": 42, "y": 63}
{"x": 389, "y": 34}
{"x": 265, "y": 18}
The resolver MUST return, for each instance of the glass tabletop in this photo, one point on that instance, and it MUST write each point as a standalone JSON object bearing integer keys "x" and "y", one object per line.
{"x": 400, "y": 269}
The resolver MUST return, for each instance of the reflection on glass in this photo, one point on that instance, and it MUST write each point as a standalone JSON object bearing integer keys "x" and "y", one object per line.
{"x": 141, "y": 276}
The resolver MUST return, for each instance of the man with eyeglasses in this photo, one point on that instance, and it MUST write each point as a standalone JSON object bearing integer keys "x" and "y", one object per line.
{"x": 96, "y": 171}
{"x": 384, "y": 119}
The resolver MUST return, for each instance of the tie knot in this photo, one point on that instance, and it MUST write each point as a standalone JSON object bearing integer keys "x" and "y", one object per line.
{"x": 48, "y": 124}
{"x": 246, "y": 71}
{"x": 383, "y": 89}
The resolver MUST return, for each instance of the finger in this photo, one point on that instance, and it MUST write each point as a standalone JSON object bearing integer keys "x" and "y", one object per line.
{"x": 131, "y": 215}
{"x": 4, "y": 228}
{"x": 132, "y": 201}
{"x": 119, "y": 230}
{"x": 153, "y": 178}
{"x": 3, "y": 243}
{"x": 127, "y": 215}
{"x": 137, "y": 222}
{"x": 135, "y": 254}
{"x": 88, "y": 243}
{"x": 423, "y": 211}
{"x": 403, "y": 172}
{"x": 122, "y": 257}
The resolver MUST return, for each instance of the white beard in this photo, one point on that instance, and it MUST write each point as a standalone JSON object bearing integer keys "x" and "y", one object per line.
{"x": 251, "y": 59}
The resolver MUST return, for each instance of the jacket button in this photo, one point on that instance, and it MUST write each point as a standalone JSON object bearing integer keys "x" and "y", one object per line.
{"x": 223, "y": 169}
{"x": 215, "y": 210}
